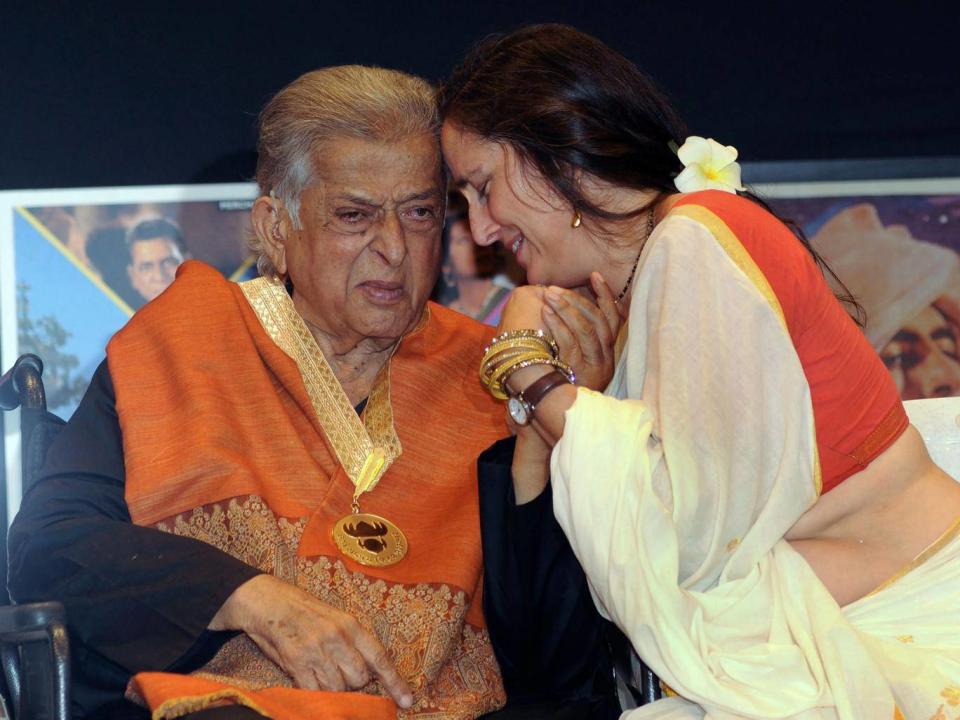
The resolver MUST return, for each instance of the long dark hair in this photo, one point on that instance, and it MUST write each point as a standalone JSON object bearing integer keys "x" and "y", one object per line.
{"x": 569, "y": 103}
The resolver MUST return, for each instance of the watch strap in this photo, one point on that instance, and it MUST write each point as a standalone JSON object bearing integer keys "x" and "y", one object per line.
{"x": 538, "y": 389}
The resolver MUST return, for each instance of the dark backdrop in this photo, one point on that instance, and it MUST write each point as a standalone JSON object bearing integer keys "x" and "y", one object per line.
{"x": 143, "y": 93}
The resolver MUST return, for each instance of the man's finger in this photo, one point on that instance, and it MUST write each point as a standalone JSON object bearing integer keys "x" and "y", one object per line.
{"x": 328, "y": 675}
{"x": 353, "y": 668}
{"x": 380, "y": 664}
{"x": 304, "y": 677}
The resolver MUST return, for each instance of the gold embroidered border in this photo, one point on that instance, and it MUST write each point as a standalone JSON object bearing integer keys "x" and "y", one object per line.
{"x": 352, "y": 440}
{"x": 882, "y": 436}
{"x": 735, "y": 250}
{"x": 178, "y": 707}
{"x": 951, "y": 532}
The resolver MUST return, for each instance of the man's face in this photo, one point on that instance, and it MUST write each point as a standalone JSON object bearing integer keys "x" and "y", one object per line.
{"x": 366, "y": 258}
{"x": 923, "y": 358}
{"x": 153, "y": 265}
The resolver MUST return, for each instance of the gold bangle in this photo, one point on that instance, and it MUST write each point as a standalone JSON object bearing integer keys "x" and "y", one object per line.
{"x": 491, "y": 364}
{"x": 538, "y": 335}
{"x": 503, "y": 348}
{"x": 504, "y": 367}
{"x": 498, "y": 353}
{"x": 558, "y": 364}
{"x": 504, "y": 345}
{"x": 492, "y": 381}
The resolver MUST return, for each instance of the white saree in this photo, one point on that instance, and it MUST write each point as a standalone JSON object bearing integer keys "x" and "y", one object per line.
{"x": 676, "y": 487}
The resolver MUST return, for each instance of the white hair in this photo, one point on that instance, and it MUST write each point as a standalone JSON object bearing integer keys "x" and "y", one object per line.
{"x": 320, "y": 106}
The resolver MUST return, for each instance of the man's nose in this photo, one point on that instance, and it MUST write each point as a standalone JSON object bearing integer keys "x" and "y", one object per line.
{"x": 941, "y": 375}
{"x": 391, "y": 242}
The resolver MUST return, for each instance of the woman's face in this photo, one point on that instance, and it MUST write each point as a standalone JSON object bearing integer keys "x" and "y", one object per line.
{"x": 515, "y": 206}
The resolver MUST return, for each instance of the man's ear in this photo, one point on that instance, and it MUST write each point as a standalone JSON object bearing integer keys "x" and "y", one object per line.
{"x": 272, "y": 228}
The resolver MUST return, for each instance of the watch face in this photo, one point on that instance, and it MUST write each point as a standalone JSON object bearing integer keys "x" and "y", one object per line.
{"x": 518, "y": 411}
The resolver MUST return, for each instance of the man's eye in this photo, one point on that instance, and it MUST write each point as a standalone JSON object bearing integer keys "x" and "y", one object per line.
{"x": 947, "y": 345}
{"x": 423, "y": 213}
{"x": 909, "y": 359}
{"x": 351, "y": 216}
{"x": 901, "y": 360}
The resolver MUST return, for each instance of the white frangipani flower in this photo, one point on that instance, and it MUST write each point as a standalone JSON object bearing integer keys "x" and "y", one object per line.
{"x": 707, "y": 165}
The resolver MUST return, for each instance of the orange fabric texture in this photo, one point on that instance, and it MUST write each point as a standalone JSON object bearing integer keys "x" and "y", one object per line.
{"x": 222, "y": 443}
{"x": 857, "y": 410}
{"x": 192, "y": 694}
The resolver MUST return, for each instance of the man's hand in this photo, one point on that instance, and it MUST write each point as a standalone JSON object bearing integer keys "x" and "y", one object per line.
{"x": 320, "y": 647}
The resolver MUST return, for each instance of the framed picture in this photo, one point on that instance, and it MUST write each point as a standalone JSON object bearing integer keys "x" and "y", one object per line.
{"x": 76, "y": 264}
{"x": 894, "y": 244}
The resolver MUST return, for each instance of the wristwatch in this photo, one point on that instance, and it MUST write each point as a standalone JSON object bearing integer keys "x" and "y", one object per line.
{"x": 522, "y": 405}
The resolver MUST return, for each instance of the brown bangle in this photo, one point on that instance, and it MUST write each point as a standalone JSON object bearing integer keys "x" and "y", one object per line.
{"x": 534, "y": 393}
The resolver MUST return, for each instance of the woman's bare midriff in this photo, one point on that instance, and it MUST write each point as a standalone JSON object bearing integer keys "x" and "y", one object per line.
{"x": 877, "y": 521}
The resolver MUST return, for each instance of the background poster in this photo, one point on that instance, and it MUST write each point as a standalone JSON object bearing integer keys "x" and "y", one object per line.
{"x": 895, "y": 245}
{"x": 76, "y": 264}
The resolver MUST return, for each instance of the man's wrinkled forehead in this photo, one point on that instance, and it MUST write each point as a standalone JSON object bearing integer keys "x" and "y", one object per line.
{"x": 380, "y": 172}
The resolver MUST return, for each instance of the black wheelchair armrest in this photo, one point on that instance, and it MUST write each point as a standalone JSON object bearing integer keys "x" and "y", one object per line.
{"x": 21, "y": 385}
{"x": 35, "y": 652}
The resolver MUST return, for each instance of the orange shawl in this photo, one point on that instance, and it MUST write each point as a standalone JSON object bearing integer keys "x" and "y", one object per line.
{"x": 222, "y": 443}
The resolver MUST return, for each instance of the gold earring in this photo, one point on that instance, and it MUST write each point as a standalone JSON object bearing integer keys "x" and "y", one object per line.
{"x": 577, "y": 219}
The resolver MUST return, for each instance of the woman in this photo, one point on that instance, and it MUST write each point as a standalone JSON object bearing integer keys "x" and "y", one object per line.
{"x": 748, "y": 500}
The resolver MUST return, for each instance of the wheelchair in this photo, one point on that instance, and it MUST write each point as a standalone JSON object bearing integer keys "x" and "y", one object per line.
{"x": 34, "y": 647}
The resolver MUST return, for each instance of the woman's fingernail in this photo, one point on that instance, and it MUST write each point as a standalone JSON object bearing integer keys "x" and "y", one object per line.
{"x": 552, "y": 297}
{"x": 406, "y": 701}
{"x": 548, "y": 310}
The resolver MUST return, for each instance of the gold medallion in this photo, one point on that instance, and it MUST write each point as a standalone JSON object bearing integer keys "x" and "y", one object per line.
{"x": 370, "y": 539}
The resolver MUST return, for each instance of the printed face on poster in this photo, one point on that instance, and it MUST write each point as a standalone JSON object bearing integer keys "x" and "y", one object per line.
{"x": 75, "y": 265}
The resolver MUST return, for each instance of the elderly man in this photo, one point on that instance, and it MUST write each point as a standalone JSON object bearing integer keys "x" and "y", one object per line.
{"x": 268, "y": 496}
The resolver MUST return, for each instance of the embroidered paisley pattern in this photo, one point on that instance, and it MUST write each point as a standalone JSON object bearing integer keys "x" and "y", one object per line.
{"x": 449, "y": 664}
